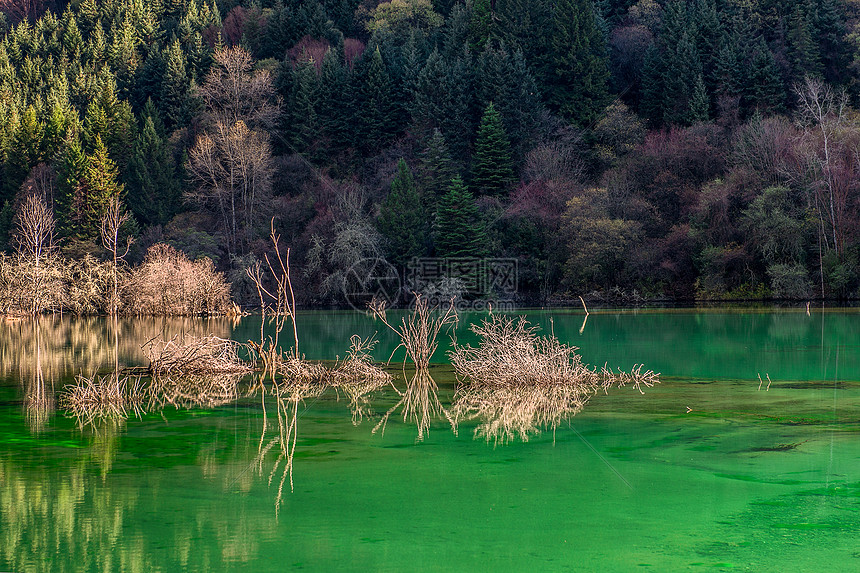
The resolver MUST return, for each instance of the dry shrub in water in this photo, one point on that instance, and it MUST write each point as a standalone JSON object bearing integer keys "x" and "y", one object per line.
{"x": 193, "y": 355}
{"x": 168, "y": 284}
{"x": 358, "y": 376}
{"x": 519, "y": 381}
{"x": 419, "y": 330}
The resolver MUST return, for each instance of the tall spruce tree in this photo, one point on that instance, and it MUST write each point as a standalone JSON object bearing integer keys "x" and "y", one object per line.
{"x": 493, "y": 171}
{"x": 401, "y": 220}
{"x": 154, "y": 194}
{"x": 99, "y": 184}
{"x": 437, "y": 170}
{"x": 577, "y": 79}
{"x": 459, "y": 232}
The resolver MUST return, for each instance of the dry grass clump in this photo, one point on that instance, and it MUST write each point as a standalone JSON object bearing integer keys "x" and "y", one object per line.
{"x": 168, "y": 284}
{"x": 196, "y": 355}
{"x": 519, "y": 382}
{"x": 93, "y": 398}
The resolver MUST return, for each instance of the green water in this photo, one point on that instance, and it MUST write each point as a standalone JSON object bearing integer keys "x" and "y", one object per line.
{"x": 704, "y": 472}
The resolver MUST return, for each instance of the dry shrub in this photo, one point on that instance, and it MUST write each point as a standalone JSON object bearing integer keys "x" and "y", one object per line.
{"x": 168, "y": 284}
{"x": 30, "y": 287}
{"x": 88, "y": 281}
{"x": 94, "y": 398}
{"x": 357, "y": 368}
{"x": 299, "y": 375}
{"x": 520, "y": 382}
{"x": 193, "y": 355}
{"x": 419, "y": 330}
{"x": 358, "y": 376}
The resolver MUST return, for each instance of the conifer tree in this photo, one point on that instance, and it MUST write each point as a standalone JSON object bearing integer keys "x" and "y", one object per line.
{"x": 764, "y": 88}
{"x": 699, "y": 105}
{"x": 153, "y": 189}
{"x": 175, "y": 103}
{"x": 375, "y": 108}
{"x": 70, "y": 174}
{"x": 493, "y": 171}
{"x": 305, "y": 119}
{"x": 459, "y": 229}
{"x": 437, "y": 170}
{"x": 576, "y": 82}
{"x": 802, "y": 52}
{"x": 402, "y": 219}
{"x": 333, "y": 85}
{"x": 25, "y": 152}
{"x": 99, "y": 184}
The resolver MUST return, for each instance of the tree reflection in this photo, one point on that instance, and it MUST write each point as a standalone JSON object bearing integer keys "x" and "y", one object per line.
{"x": 420, "y": 404}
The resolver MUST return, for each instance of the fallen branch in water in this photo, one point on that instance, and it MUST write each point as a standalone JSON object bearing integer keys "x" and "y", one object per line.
{"x": 193, "y": 355}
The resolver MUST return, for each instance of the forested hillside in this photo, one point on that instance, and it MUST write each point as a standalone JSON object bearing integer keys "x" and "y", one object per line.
{"x": 700, "y": 148}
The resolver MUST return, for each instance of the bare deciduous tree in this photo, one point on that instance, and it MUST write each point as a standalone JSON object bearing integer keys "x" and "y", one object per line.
{"x": 232, "y": 167}
{"x": 821, "y": 111}
{"x": 35, "y": 234}
{"x": 233, "y": 91}
{"x": 231, "y": 163}
{"x": 112, "y": 221}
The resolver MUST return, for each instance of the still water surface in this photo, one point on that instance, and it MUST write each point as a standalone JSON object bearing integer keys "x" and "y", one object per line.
{"x": 704, "y": 472}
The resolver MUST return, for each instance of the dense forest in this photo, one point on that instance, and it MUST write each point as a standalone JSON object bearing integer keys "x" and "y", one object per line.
{"x": 703, "y": 149}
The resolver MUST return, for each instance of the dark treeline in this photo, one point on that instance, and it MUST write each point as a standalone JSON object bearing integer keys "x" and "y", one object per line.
{"x": 700, "y": 148}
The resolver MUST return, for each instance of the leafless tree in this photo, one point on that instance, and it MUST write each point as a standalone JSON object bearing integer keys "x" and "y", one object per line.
{"x": 231, "y": 163}
{"x": 232, "y": 167}
{"x": 35, "y": 235}
{"x": 821, "y": 112}
{"x": 112, "y": 221}
{"x": 234, "y": 92}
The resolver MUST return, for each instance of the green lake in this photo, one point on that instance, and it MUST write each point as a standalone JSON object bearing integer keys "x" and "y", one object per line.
{"x": 709, "y": 470}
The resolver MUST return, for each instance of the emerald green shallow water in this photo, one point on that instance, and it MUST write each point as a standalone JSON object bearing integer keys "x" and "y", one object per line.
{"x": 703, "y": 472}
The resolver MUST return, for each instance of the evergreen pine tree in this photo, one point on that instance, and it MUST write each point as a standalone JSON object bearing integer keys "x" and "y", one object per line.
{"x": 764, "y": 88}
{"x": 437, "y": 170}
{"x": 493, "y": 171}
{"x": 802, "y": 51}
{"x": 174, "y": 100}
{"x": 402, "y": 219}
{"x": 459, "y": 229}
{"x": 25, "y": 151}
{"x": 375, "y": 109}
{"x": 99, "y": 184}
{"x": 305, "y": 102}
{"x": 699, "y": 104}
{"x": 153, "y": 189}
{"x": 578, "y": 74}
{"x": 70, "y": 173}
{"x": 333, "y": 87}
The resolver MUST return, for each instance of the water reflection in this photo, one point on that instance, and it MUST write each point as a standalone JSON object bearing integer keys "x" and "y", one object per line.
{"x": 419, "y": 403}
{"x": 288, "y": 395}
{"x": 61, "y": 346}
